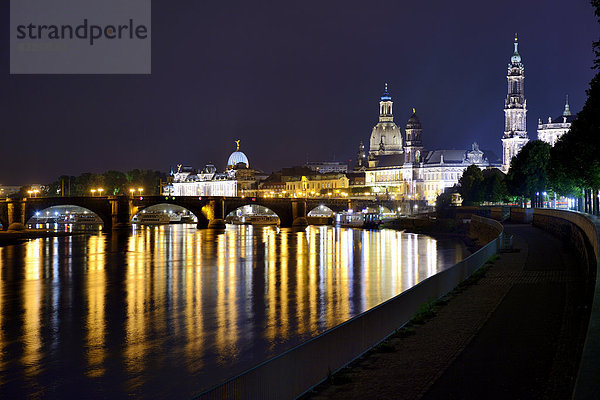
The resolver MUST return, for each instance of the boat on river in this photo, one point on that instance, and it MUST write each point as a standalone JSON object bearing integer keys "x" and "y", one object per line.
{"x": 78, "y": 219}
{"x": 358, "y": 219}
{"x": 254, "y": 219}
{"x": 151, "y": 218}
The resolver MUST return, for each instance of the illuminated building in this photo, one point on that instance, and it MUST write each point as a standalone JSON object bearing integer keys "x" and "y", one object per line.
{"x": 325, "y": 167}
{"x": 317, "y": 184}
{"x": 303, "y": 184}
{"x": 550, "y": 132}
{"x": 386, "y": 138}
{"x": 515, "y": 110}
{"x": 237, "y": 179}
{"x": 413, "y": 172}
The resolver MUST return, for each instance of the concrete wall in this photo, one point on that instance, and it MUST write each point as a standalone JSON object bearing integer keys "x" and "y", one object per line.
{"x": 484, "y": 230}
{"x": 294, "y": 372}
{"x": 521, "y": 215}
{"x": 581, "y": 230}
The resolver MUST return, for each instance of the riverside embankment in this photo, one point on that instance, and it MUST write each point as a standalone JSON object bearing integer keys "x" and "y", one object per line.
{"x": 519, "y": 331}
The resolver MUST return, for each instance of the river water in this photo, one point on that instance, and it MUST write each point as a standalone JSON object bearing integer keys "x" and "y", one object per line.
{"x": 167, "y": 311}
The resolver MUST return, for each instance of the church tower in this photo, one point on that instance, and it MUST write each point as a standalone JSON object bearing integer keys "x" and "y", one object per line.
{"x": 515, "y": 110}
{"x": 413, "y": 144}
{"x": 386, "y": 138}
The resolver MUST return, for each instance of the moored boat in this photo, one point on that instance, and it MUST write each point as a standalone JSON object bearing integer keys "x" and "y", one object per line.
{"x": 151, "y": 218}
{"x": 358, "y": 219}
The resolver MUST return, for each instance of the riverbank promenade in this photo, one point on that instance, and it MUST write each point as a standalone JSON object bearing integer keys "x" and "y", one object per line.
{"x": 516, "y": 333}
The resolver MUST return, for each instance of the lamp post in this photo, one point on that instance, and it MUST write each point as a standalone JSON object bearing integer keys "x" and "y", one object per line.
{"x": 544, "y": 194}
{"x": 93, "y": 192}
{"x": 100, "y": 190}
{"x": 140, "y": 190}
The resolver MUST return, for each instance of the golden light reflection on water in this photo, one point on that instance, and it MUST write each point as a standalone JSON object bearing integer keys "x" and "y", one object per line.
{"x": 96, "y": 306}
{"x": 32, "y": 295}
{"x": 192, "y": 301}
{"x": 136, "y": 285}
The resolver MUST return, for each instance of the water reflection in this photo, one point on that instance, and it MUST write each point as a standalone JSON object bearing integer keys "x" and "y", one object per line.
{"x": 167, "y": 311}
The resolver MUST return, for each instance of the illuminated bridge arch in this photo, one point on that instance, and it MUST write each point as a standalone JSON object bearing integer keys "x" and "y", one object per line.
{"x": 320, "y": 210}
{"x": 97, "y": 205}
{"x": 72, "y": 213}
{"x": 255, "y": 208}
{"x": 136, "y": 210}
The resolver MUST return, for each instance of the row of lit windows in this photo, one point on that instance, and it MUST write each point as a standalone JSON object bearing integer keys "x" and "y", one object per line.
{"x": 443, "y": 175}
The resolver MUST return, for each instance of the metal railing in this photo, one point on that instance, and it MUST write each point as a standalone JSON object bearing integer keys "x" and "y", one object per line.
{"x": 299, "y": 369}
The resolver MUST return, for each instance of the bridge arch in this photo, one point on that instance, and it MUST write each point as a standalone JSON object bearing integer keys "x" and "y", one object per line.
{"x": 100, "y": 206}
{"x": 65, "y": 214}
{"x": 238, "y": 215}
{"x": 198, "y": 206}
{"x": 320, "y": 211}
{"x": 170, "y": 209}
{"x": 290, "y": 212}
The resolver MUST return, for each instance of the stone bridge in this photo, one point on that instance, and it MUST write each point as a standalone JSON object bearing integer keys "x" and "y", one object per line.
{"x": 116, "y": 212}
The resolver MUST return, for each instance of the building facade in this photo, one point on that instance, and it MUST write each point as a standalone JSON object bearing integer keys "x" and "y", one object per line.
{"x": 237, "y": 179}
{"x": 551, "y": 131}
{"x": 515, "y": 110}
{"x": 326, "y": 167}
{"x": 412, "y": 172}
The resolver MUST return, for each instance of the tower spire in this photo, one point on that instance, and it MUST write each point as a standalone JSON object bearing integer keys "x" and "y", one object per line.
{"x": 515, "y": 109}
{"x": 386, "y": 95}
{"x": 516, "y": 57}
{"x": 567, "y": 111}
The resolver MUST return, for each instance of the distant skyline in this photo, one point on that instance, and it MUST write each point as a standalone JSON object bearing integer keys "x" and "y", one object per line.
{"x": 295, "y": 81}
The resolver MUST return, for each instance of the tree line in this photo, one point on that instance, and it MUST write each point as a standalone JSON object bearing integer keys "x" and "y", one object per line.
{"x": 113, "y": 183}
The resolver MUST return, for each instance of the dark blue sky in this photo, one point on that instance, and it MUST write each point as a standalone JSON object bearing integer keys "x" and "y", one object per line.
{"x": 295, "y": 79}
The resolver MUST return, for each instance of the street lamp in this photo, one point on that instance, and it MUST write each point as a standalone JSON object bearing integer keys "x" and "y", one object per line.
{"x": 93, "y": 191}
{"x": 132, "y": 191}
{"x": 100, "y": 190}
{"x": 140, "y": 190}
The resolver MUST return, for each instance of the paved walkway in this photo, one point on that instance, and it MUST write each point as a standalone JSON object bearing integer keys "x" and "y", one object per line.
{"x": 515, "y": 334}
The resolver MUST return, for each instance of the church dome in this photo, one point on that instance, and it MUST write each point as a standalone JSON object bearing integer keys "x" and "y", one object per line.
{"x": 388, "y": 134}
{"x": 237, "y": 157}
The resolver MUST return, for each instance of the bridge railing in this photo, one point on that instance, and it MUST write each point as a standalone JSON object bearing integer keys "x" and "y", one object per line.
{"x": 296, "y": 371}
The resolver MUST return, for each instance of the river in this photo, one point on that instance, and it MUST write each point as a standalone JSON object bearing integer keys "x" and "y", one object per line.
{"x": 167, "y": 311}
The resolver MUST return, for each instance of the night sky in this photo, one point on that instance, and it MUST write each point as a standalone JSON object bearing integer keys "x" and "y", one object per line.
{"x": 295, "y": 80}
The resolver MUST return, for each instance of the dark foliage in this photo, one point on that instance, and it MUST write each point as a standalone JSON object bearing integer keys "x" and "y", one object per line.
{"x": 113, "y": 183}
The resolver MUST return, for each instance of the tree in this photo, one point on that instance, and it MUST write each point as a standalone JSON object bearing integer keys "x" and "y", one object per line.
{"x": 113, "y": 183}
{"x": 471, "y": 185}
{"x": 565, "y": 167}
{"x": 443, "y": 202}
{"x": 494, "y": 185}
{"x": 528, "y": 173}
{"x": 575, "y": 164}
